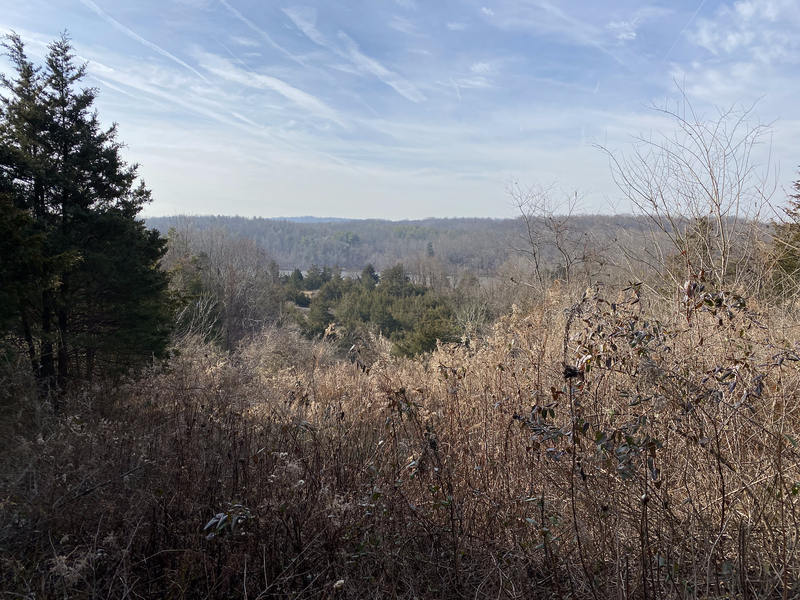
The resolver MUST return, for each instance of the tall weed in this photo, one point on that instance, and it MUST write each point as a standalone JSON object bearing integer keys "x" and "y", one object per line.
{"x": 617, "y": 447}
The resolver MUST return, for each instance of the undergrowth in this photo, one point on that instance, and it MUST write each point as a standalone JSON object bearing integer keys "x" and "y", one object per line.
{"x": 610, "y": 448}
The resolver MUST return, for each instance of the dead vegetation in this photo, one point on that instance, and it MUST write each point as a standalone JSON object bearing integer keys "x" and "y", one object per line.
{"x": 617, "y": 447}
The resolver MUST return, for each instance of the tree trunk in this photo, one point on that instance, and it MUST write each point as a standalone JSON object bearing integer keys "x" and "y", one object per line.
{"x": 89, "y": 363}
{"x": 48, "y": 368}
{"x": 63, "y": 351}
{"x": 26, "y": 330}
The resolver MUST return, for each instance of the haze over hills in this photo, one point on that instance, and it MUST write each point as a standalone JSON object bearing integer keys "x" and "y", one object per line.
{"x": 310, "y": 219}
{"x": 480, "y": 245}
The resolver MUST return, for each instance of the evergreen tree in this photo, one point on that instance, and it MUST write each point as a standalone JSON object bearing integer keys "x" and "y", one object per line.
{"x": 295, "y": 280}
{"x": 432, "y": 323}
{"x": 20, "y": 259}
{"x": 369, "y": 278}
{"x": 786, "y": 248}
{"x": 314, "y": 278}
{"x": 394, "y": 281}
{"x": 96, "y": 300}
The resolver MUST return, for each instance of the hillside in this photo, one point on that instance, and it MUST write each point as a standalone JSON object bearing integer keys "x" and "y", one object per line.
{"x": 479, "y": 245}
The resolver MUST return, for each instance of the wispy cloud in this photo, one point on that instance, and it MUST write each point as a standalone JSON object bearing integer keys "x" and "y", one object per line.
{"x": 140, "y": 78}
{"x": 487, "y": 11}
{"x": 138, "y": 38}
{"x": 456, "y": 26}
{"x": 111, "y": 86}
{"x": 245, "y": 119}
{"x": 626, "y": 29}
{"x": 455, "y": 87}
{"x": 403, "y": 25}
{"x": 474, "y": 82}
{"x": 584, "y": 32}
{"x": 544, "y": 18}
{"x": 680, "y": 35}
{"x": 149, "y": 83}
{"x": 305, "y": 20}
{"x": 223, "y": 68}
{"x": 407, "y": 4}
{"x": 345, "y": 68}
{"x": 390, "y": 78}
{"x": 754, "y": 53}
{"x": 763, "y": 29}
{"x": 263, "y": 34}
{"x": 243, "y": 41}
{"x": 466, "y": 83}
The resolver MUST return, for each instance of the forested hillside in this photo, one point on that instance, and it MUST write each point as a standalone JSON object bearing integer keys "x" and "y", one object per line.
{"x": 481, "y": 246}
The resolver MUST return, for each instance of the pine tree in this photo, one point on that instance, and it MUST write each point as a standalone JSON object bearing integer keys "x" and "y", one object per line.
{"x": 97, "y": 301}
{"x": 786, "y": 248}
{"x": 369, "y": 278}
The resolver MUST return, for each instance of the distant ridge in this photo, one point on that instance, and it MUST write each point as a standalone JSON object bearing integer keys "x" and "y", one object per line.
{"x": 480, "y": 245}
{"x": 308, "y": 219}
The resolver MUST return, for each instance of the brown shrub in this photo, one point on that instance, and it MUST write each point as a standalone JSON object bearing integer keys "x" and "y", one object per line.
{"x": 596, "y": 450}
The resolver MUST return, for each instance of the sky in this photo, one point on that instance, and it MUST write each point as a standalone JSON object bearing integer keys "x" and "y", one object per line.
{"x": 407, "y": 109}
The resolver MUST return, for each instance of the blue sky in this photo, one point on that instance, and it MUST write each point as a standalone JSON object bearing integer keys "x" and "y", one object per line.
{"x": 410, "y": 109}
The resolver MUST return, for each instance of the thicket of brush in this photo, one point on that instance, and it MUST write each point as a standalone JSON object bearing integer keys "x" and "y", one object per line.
{"x": 662, "y": 462}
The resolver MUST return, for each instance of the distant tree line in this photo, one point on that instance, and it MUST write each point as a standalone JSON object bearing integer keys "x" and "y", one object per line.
{"x": 475, "y": 244}
{"x": 481, "y": 246}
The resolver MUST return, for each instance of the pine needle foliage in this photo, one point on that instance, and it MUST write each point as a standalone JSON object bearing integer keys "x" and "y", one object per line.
{"x": 86, "y": 294}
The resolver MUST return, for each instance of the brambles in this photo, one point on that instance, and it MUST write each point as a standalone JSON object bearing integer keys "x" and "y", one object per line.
{"x": 666, "y": 467}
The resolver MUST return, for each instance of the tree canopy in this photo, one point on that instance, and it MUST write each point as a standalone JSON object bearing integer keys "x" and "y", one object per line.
{"x": 82, "y": 290}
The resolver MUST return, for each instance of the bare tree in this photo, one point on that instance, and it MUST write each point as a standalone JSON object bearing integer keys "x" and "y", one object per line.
{"x": 244, "y": 282}
{"x": 232, "y": 286}
{"x": 550, "y": 239}
{"x": 703, "y": 191}
{"x": 426, "y": 269}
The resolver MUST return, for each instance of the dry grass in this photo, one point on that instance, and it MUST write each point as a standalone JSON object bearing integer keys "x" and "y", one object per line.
{"x": 664, "y": 466}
